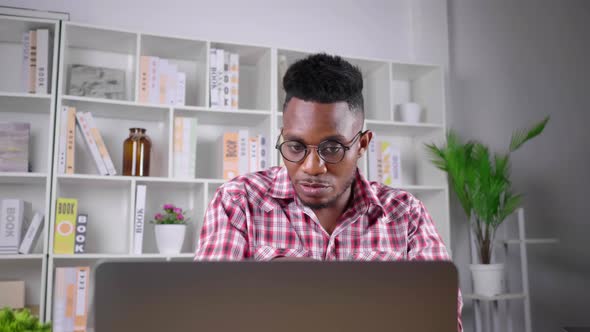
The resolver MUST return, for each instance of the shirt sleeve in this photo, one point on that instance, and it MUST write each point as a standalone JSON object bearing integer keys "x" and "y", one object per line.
{"x": 223, "y": 235}
{"x": 424, "y": 243}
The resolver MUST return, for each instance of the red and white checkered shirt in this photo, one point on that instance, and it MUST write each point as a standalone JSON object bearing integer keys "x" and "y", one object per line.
{"x": 259, "y": 216}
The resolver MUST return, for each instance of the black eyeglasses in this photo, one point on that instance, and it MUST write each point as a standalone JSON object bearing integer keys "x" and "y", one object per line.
{"x": 331, "y": 151}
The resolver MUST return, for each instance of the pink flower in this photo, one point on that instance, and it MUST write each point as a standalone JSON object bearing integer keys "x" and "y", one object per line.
{"x": 177, "y": 210}
{"x": 169, "y": 206}
{"x": 158, "y": 216}
{"x": 180, "y": 216}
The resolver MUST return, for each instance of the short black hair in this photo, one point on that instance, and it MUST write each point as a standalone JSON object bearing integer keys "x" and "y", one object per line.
{"x": 324, "y": 78}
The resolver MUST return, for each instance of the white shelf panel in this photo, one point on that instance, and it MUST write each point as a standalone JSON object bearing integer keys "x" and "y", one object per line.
{"x": 23, "y": 178}
{"x": 501, "y": 297}
{"x": 421, "y": 189}
{"x": 223, "y": 117}
{"x": 81, "y": 178}
{"x": 122, "y": 257}
{"x": 530, "y": 241}
{"x": 24, "y": 95}
{"x": 395, "y": 128}
{"x": 15, "y": 103}
{"x": 118, "y": 109}
{"x": 21, "y": 257}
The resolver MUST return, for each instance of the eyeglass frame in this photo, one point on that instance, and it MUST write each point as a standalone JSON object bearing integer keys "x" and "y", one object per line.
{"x": 317, "y": 147}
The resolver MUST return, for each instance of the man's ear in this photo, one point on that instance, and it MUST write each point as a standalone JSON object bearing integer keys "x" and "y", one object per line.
{"x": 364, "y": 141}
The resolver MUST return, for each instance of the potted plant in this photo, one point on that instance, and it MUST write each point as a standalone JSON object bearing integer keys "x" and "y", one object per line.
{"x": 12, "y": 320}
{"x": 483, "y": 187}
{"x": 170, "y": 228}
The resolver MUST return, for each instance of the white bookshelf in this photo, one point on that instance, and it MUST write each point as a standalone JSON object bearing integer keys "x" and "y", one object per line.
{"x": 34, "y": 186}
{"x": 109, "y": 200}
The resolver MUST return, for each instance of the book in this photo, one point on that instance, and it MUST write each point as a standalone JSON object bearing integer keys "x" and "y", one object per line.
{"x": 70, "y": 285}
{"x": 234, "y": 76}
{"x": 25, "y": 62}
{"x": 185, "y": 147}
{"x": 14, "y": 146}
{"x": 96, "y": 82}
{"x": 163, "y": 80}
{"x": 80, "y": 237}
{"x": 154, "y": 80}
{"x": 144, "y": 79}
{"x": 262, "y": 153}
{"x": 226, "y": 86}
{"x": 253, "y": 162}
{"x": 178, "y": 146}
{"x": 91, "y": 143}
{"x": 139, "y": 223}
{"x": 14, "y": 213}
{"x": 71, "y": 140}
{"x": 32, "y": 61}
{"x": 220, "y": 57}
{"x": 102, "y": 148}
{"x": 192, "y": 162}
{"x": 32, "y": 234}
{"x": 59, "y": 300}
{"x": 42, "y": 82}
{"x": 62, "y": 145}
{"x": 82, "y": 300}
{"x": 230, "y": 156}
{"x": 171, "y": 84}
{"x": 180, "y": 88}
{"x": 213, "y": 82}
{"x": 65, "y": 225}
{"x": 243, "y": 151}
{"x": 391, "y": 161}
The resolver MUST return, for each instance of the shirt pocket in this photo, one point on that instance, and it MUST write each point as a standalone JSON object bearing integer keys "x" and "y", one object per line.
{"x": 375, "y": 255}
{"x": 267, "y": 253}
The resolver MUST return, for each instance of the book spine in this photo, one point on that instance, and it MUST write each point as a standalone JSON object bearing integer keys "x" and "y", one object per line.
{"x": 178, "y": 146}
{"x": 253, "y": 154}
{"x": 213, "y": 94}
{"x": 71, "y": 140}
{"x": 243, "y": 151}
{"x": 63, "y": 128}
{"x": 396, "y": 165}
{"x": 234, "y": 76}
{"x": 32, "y": 235}
{"x": 90, "y": 143}
{"x": 70, "y": 298}
{"x": 26, "y": 62}
{"x": 386, "y": 160}
{"x": 262, "y": 152}
{"x": 154, "y": 80}
{"x": 192, "y": 163}
{"x": 81, "y": 310}
{"x": 180, "y": 88}
{"x": 139, "y": 223}
{"x": 186, "y": 147}
{"x": 162, "y": 80}
{"x": 144, "y": 79}
{"x": 171, "y": 84}
{"x": 32, "y": 61}
{"x": 230, "y": 156}
{"x": 372, "y": 159}
{"x": 102, "y": 148}
{"x": 59, "y": 301}
{"x": 65, "y": 224}
{"x": 226, "y": 96}
{"x": 42, "y": 61}
{"x": 12, "y": 225}
{"x": 219, "y": 65}
{"x": 80, "y": 238}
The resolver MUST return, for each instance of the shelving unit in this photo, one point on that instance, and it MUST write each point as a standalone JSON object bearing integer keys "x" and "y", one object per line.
{"x": 109, "y": 200}
{"x": 33, "y": 187}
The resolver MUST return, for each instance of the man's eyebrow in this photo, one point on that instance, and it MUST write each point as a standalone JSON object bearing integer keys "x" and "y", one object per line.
{"x": 336, "y": 137}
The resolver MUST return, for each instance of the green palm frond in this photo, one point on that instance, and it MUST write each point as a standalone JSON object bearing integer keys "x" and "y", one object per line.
{"x": 522, "y": 136}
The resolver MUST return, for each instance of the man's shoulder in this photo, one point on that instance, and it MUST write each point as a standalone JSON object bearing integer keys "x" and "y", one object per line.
{"x": 395, "y": 202}
{"x": 250, "y": 186}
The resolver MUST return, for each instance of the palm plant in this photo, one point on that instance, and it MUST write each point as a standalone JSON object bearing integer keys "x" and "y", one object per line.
{"x": 482, "y": 182}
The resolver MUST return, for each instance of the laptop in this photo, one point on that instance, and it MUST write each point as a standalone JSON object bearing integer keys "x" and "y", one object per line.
{"x": 275, "y": 296}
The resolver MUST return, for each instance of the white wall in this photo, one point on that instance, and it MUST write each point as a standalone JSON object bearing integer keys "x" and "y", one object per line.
{"x": 512, "y": 63}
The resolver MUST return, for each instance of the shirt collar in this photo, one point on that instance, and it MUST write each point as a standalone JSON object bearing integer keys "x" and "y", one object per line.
{"x": 363, "y": 193}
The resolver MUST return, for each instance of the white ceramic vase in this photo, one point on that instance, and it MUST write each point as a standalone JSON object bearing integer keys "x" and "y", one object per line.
{"x": 488, "y": 279}
{"x": 410, "y": 112}
{"x": 169, "y": 238}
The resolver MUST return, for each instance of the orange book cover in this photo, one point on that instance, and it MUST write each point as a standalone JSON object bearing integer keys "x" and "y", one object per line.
{"x": 71, "y": 140}
{"x": 230, "y": 156}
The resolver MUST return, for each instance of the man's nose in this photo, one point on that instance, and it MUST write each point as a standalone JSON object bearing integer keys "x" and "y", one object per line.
{"x": 313, "y": 164}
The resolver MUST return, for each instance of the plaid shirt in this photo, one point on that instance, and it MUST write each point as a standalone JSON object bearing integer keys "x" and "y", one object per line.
{"x": 259, "y": 216}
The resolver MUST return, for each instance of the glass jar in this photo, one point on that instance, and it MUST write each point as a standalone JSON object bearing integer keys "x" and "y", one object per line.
{"x": 137, "y": 150}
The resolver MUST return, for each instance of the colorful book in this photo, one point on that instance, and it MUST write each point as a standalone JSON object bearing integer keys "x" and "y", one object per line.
{"x": 82, "y": 300}
{"x": 65, "y": 225}
{"x": 71, "y": 140}
{"x": 230, "y": 156}
{"x": 91, "y": 143}
{"x": 58, "y": 321}
{"x": 102, "y": 148}
{"x": 32, "y": 235}
{"x": 139, "y": 223}
{"x": 243, "y": 151}
{"x": 220, "y": 58}
{"x": 234, "y": 76}
{"x": 32, "y": 61}
{"x": 42, "y": 82}
{"x": 226, "y": 86}
{"x": 14, "y": 146}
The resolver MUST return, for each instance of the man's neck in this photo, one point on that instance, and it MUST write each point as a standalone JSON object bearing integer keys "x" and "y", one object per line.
{"x": 329, "y": 216}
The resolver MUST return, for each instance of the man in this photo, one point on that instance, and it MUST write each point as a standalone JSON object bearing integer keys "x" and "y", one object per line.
{"x": 319, "y": 206}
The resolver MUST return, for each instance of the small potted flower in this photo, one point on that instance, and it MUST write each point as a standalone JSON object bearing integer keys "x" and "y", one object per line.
{"x": 170, "y": 228}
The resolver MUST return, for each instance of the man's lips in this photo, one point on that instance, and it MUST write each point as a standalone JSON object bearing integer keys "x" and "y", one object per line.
{"x": 313, "y": 188}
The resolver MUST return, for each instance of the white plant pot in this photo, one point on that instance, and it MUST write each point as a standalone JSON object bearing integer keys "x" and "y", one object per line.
{"x": 488, "y": 279}
{"x": 410, "y": 112}
{"x": 169, "y": 238}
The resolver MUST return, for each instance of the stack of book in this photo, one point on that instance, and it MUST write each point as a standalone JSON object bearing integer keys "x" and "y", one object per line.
{"x": 385, "y": 161}
{"x": 35, "y": 61}
{"x": 224, "y": 69}
{"x": 160, "y": 82}
{"x": 14, "y": 146}
{"x": 185, "y": 147}
{"x": 243, "y": 153}
{"x": 92, "y": 138}
{"x": 71, "y": 299}
{"x": 70, "y": 228}
{"x": 16, "y": 216}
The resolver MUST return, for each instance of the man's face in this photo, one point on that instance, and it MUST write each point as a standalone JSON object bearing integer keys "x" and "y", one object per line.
{"x": 319, "y": 184}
